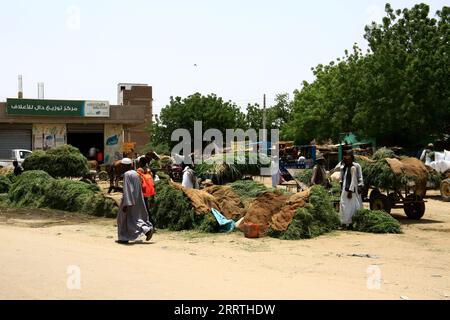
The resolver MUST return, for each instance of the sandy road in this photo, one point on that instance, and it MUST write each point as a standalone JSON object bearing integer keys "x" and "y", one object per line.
{"x": 40, "y": 253}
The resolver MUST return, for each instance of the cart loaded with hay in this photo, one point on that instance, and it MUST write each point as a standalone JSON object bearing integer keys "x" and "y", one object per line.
{"x": 395, "y": 182}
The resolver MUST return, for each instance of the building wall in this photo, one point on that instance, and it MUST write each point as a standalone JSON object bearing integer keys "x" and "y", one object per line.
{"x": 131, "y": 94}
{"x": 131, "y": 119}
{"x": 131, "y": 115}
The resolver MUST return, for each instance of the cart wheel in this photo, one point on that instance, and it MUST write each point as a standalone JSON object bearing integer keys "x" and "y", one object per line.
{"x": 380, "y": 202}
{"x": 445, "y": 190}
{"x": 103, "y": 176}
{"x": 393, "y": 197}
{"x": 373, "y": 194}
{"x": 414, "y": 207}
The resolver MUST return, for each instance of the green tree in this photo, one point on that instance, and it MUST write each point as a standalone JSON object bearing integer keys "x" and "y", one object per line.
{"x": 276, "y": 115}
{"x": 181, "y": 113}
{"x": 397, "y": 92}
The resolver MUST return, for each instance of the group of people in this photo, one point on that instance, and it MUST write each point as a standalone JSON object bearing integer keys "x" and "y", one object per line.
{"x": 135, "y": 219}
{"x": 351, "y": 180}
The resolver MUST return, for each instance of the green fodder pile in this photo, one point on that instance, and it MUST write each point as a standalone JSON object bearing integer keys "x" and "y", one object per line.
{"x": 5, "y": 184}
{"x": 316, "y": 218}
{"x": 37, "y": 189}
{"x": 173, "y": 210}
{"x": 247, "y": 189}
{"x": 208, "y": 224}
{"x": 335, "y": 190}
{"x": 379, "y": 174}
{"x": 434, "y": 178}
{"x": 4, "y": 200}
{"x": 304, "y": 176}
{"x": 224, "y": 168}
{"x": 383, "y": 153}
{"x": 60, "y": 162}
{"x": 375, "y": 222}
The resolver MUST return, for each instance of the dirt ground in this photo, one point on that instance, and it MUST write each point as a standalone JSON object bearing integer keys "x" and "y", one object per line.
{"x": 44, "y": 253}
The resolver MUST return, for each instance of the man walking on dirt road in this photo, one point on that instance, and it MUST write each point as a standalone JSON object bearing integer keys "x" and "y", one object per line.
{"x": 132, "y": 219}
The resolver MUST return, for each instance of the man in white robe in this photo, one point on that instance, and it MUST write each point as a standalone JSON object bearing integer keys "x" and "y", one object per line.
{"x": 351, "y": 182}
{"x": 132, "y": 219}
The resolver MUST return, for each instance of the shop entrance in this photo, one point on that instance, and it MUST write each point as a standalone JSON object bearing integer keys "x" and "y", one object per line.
{"x": 86, "y": 137}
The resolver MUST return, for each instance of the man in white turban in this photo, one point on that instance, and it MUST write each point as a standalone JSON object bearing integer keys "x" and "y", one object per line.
{"x": 133, "y": 220}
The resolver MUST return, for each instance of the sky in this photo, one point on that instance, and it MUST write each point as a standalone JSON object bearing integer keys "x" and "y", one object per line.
{"x": 237, "y": 49}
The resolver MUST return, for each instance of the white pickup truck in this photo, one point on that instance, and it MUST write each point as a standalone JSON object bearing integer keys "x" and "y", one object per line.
{"x": 13, "y": 155}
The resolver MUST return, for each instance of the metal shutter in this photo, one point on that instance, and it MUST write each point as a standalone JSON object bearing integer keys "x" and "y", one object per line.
{"x": 14, "y": 139}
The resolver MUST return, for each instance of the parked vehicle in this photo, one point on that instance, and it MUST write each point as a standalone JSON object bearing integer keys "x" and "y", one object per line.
{"x": 7, "y": 157}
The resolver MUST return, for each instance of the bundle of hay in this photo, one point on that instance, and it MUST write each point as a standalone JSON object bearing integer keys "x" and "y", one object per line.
{"x": 5, "y": 184}
{"x": 60, "y": 162}
{"x": 317, "y": 217}
{"x": 379, "y": 174}
{"x": 393, "y": 173}
{"x": 383, "y": 153}
{"x": 304, "y": 176}
{"x": 224, "y": 168}
{"x": 4, "y": 200}
{"x": 248, "y": 189}
{"x": 434, "y": 178}
{"x": 173, "y": 210}
{"x": 375, "y": 222}
{"x": 335, "y": 191}
{"x": 39, "y": 190}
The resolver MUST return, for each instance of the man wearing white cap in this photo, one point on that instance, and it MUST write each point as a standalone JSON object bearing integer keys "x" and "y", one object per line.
{"x": 132, "y": 220}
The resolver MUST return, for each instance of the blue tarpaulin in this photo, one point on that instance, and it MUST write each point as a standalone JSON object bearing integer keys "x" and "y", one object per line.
{"x": 225, "y": 224}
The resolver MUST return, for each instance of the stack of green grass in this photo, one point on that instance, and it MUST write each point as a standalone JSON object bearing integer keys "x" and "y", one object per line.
{"x": 248, "y": 189}
{"x": 304, "y": 176}
{"x": 173, "y": 210}
{"x": 434, "y": 178}
{"x": 5, "y": 184}
{"x": 335, "y": 191}
{"x": 4, "y": 200}
{"x": 223, "y": 168}
{"x": 37, "y": 189}
{"x": 316, "y": 218}
{"x": 63, "y": 161}
{"x": 383, "y": 153}
{"x": 378, "y": 174}
{"x": 208, "y": 224}
{"x": 375, "y": 222}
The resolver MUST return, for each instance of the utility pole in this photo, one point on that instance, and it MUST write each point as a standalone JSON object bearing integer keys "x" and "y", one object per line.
{"x": 264, "y": 120}
{"x": 264, "y": 113}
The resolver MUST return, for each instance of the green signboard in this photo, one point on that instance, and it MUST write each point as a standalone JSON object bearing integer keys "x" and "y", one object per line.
{"x": 31, "y": 107}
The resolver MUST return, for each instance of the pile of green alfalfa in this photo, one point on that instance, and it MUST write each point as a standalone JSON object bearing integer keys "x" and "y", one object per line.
{"x": 229, "y": 167}
{"x": 173, "y": 210}
{"x": 304, "y": 176}
{"x": 383, "y": 153}
{"x": 375, "y": 222}
{"x": 5, "y": 184}
{"x": 60, "y": 162}
{"x": 434, "y": 178}
{"x": 37, "y": 189}
{"x": 378, "y": 174}
{"x": 248, "y": 189}
{"x": 316, "y": 218}
{"x": 7, "y": 178}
